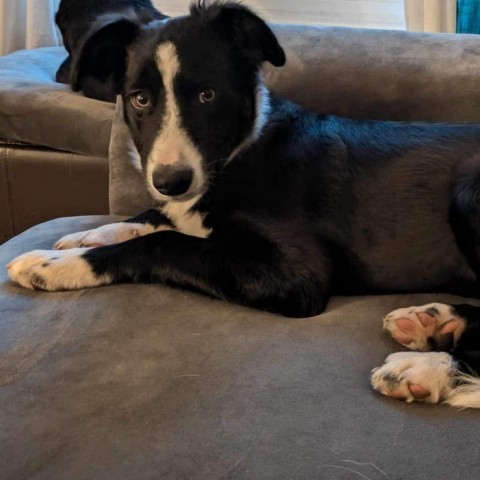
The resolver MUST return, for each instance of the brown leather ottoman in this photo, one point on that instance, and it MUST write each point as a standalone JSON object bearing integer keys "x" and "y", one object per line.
{"x": 39, "y": 184}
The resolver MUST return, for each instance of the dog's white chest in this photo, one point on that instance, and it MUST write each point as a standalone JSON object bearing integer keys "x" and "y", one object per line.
{"x": 184, "y": 220}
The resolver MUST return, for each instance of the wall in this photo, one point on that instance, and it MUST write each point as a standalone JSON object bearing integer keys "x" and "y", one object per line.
{"x": 355, "y": 13}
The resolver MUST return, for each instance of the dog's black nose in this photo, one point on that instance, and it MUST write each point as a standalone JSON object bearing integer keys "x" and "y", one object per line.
{"x": 172, "y": 181}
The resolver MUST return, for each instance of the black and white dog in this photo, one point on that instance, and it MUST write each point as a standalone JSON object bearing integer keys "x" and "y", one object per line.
{"x": 78, "y": 20}
{"x": 265, "y": 204}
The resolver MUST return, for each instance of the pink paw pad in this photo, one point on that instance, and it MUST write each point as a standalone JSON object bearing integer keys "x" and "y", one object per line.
{"x": 418, "y": 391}
{"x": 405, "y": 332}
{"x": 426, "y": 328}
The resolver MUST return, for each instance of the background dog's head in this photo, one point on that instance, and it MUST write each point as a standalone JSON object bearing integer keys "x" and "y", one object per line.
{"x": 79, "y": 20}
{"x": 191, "y": 87}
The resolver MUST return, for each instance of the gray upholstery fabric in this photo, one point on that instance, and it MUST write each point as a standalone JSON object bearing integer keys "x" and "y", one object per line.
{"x": 147, "y": 382}
{"x": 128, "y": 192}
{"x": 380, "y": 74}
{"x": 36, "y": 110}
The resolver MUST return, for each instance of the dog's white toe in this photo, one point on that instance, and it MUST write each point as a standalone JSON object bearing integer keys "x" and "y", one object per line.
{"x": 54, "y": 270}
{"x": 425, "y": 328}
{"x": 415, "y": 376}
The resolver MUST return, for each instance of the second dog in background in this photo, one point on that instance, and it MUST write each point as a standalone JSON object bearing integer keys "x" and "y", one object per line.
{"x": 78, "y": 21}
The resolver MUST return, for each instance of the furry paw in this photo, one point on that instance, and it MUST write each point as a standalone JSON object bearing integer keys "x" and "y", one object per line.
{"x": 54, "y": 270}
{"x": 105, "y": 235}
{"x": 412, "y": 376}
{"x": 430, "y": 327}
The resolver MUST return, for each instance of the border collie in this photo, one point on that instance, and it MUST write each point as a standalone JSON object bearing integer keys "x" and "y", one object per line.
{"x": 78, "y": 20}
{"x": 267, "y": 205}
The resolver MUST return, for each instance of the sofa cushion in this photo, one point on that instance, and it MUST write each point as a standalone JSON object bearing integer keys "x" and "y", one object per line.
{"x": 34, "y": 109}
{"x": 148, "y": 382}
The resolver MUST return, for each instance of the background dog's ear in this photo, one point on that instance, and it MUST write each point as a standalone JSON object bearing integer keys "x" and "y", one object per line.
{"x": 249, "y": 32}
{"x": 99, "y": 63}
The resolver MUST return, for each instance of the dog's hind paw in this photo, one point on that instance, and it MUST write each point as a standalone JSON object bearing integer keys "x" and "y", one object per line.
{"x": 431, "y": 327}
{"x": 415, "y": 376}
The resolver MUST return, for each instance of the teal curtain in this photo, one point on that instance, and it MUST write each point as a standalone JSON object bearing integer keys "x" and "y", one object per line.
{"x": 468, "y": 16}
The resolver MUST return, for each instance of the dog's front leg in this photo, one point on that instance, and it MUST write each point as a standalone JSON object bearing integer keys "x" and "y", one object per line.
{"x": 148, "y": 222}
{"x": 242, "y": 268}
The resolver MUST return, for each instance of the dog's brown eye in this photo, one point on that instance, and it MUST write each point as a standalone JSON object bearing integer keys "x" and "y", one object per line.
{"x": 207, "y": 95}
{"x": 140, "y": 100}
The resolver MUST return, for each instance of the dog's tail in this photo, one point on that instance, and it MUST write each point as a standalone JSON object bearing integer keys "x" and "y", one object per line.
{"x": 466, "y": 394}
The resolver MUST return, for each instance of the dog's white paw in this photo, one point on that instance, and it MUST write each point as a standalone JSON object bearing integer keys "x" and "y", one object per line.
{"x": 425, "y": 328}
{"x": 54, "y": 270}
{"x": 415, "y": 376}
{"x": 104, "y": 235}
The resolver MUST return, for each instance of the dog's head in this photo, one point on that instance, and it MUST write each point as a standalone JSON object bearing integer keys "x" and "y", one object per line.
{"x": 191, "y": 88}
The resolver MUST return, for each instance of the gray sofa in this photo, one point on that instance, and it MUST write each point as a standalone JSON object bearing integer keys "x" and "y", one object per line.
{"x": 148, "y": 382}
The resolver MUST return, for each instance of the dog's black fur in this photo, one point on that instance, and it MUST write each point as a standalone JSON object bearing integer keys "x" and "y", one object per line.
{"x": 467, "y": 349}
{"x": 308, "y": 206}
{"x": 78, "y": 20}
{"x": 316, "y": 205}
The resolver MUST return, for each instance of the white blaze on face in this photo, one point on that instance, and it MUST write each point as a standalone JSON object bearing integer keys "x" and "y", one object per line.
{"x": 173, "y": 145}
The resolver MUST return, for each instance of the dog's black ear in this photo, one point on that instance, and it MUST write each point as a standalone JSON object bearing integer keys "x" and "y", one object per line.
{"x": 248, "y": 31}
{"x": 99, "y": 63}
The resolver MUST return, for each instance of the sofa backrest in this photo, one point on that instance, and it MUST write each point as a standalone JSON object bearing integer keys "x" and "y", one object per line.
{"x": 380, "y": 74}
